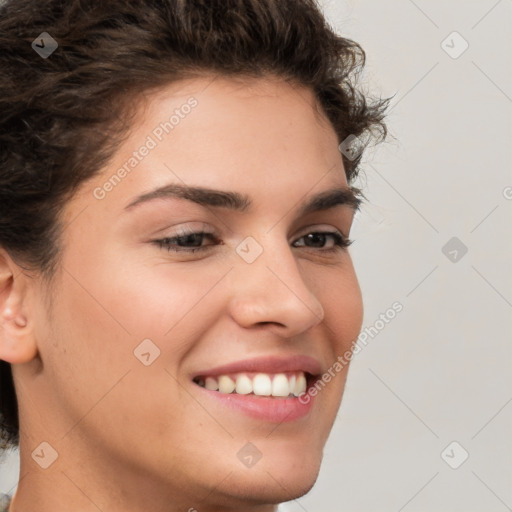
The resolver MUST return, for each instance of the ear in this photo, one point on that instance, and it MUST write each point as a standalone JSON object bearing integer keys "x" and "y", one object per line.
{"x": 17, "y": 343}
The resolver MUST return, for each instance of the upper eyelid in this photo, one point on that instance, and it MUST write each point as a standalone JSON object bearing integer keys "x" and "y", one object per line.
{"x": 215, "y": 238}
{"x": 182, "y": 232}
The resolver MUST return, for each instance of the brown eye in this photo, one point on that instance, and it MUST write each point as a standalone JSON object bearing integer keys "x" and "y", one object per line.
{"x": 317, "y": 240}
{"x": 191, "y": 242}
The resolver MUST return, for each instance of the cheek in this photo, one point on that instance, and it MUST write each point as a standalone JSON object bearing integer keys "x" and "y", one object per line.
{"x": 343, "y": 305}
{"x": 165, "y": 299}
{"x": 350, "y": 311}
{"x": 137, "y": 290}
{"x": 101, "y": 315}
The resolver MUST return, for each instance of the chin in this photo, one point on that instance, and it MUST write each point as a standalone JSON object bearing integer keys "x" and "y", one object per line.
{"x": 269, "y": 484}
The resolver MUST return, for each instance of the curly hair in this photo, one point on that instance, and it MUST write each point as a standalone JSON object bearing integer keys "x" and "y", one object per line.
{"x": 63, "y": 116}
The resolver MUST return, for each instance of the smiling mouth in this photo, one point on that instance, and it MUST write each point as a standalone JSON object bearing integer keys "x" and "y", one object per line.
{"x": 270, "y": 385}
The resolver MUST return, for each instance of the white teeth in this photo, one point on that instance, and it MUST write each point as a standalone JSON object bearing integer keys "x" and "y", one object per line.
{"x": 262, "y": 384}
{"x": 243, "y": 385}
{"x": 291, "y": 383}
{"x": 300, "y": 385}
{"x": 211, "y": 383}
{"x": 280, "y": 386}
{"x": 226, "y": 384}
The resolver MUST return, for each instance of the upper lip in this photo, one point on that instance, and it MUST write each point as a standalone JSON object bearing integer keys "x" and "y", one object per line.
{"x": 268, "y": 364}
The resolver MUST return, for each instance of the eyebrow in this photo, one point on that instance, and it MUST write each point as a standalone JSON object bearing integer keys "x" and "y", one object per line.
{"x": 236, "y": 201}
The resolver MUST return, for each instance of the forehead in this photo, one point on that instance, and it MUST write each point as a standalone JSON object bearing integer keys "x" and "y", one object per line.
{"x": 265, "y": 110}
{"x": 258, "y": 135}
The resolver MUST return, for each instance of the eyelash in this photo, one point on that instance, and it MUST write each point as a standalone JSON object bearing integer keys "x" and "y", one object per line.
{"x": 340, "y": 242}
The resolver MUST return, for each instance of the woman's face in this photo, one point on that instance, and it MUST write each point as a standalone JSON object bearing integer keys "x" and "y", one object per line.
{"x": 135, "y": 325}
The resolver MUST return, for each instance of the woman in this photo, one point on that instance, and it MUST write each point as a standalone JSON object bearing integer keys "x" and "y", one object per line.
{"x": 174, "y": 268}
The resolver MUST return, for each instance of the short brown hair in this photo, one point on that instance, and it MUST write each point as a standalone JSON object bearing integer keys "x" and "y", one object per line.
{"x": 63, "y": 116}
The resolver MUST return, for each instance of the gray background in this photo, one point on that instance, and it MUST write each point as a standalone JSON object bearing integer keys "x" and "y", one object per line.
{"x": 440, "y": 371}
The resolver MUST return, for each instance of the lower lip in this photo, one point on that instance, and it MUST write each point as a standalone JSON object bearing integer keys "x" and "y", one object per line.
{"x": 277, "y": 410}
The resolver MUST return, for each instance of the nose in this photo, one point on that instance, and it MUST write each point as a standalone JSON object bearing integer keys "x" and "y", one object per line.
{"x": 272, "y": 291}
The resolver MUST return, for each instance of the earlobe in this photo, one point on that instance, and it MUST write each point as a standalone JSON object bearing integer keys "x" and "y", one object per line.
{"x": 17, "y": 344}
